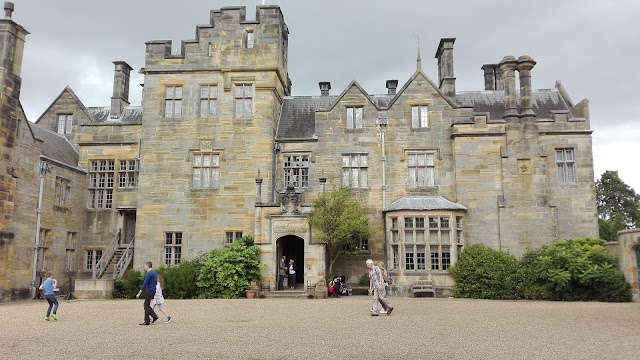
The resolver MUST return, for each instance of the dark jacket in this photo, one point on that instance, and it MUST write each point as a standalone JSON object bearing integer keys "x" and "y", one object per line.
{"x": 150, "y": 281}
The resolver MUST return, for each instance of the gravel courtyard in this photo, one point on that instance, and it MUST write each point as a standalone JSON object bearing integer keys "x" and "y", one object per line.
{"x": 323, "y": 329}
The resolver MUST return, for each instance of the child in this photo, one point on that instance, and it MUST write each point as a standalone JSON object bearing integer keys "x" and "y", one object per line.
{"x": 331, "y": 289}
{"x": 48, "y": 286}
{"x": 159, "y": 299}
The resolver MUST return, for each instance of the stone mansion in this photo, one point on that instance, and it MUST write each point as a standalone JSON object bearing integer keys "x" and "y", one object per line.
{"x": 220, "y": 148}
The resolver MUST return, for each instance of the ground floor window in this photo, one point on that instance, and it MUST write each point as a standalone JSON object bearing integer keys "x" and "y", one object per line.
{"x": 172, "y": 248}
{"x": 92, "y": 258}
{"x": 231, "y": 236}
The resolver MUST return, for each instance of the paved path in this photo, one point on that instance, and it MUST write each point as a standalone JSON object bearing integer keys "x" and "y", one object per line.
{"x": 324, "y": 329}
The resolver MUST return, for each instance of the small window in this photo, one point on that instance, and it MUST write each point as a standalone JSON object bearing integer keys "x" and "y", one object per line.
{"x": 243, "y": 100}
{"x": 206, "y": 170}
{"x": 208, "y": 101}
{"x": 419, "y": 117}
{"x": 296, "y": 171}
{"x": 70, "y": 245}
{"x": 231, "y": 236}
{"x": 566, "y": 165}
{"x": 354, "y": 118}
{"x": 92, "y": 259}
{"x": 128, "y": 174}
{"x": 173, "y": 102}
{"x": 172, "y": 248}
{"x": 249, "y": 39}
{"x": 63, "y": 188}
{"x": 354, "y": 170}
{"x": 65, "y": 123}
{"x": 210, "y": 50}
{"x": 422, "y": 171}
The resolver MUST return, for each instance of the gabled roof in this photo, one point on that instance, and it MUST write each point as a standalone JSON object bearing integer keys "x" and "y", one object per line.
{"x": 421, "y": 203}
{"x": 130, "y": 115}
{"x": 73, "y": 96}
{"x": 411, "y": 79}
{"x": 56, "y": 147}
{"x": 346, "y": 90}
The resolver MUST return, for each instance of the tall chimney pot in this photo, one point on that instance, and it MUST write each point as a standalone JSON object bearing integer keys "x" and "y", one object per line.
{"x": 508, "y": 69}
{"x": 489, "y": 76}
{"x": 325, "y": 86}
{"x": 392, "y": 85}
{"x": 444, "y": 54}
{"x": 525, "y": 64}
{"x": 8, "y": 9}
{"x": 120, "y": 98}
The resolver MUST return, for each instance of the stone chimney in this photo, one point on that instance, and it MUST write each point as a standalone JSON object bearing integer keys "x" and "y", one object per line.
{"x": 489, "y": 76}
{"x": 325, "y": 86}
{"x": 499, "y": 82}
{"x": 392, "y": 85}
{"x": 446, "y": 80}
{"x": 525, "y": 64}
{"x": 508, "y": 68}
{"x": 12, "y": 39}
{"x": 120, "y": 98}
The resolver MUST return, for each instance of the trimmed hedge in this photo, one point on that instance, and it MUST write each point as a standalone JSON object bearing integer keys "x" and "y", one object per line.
{"x": 574, "y": 270}
{"x": 484, "y": 273}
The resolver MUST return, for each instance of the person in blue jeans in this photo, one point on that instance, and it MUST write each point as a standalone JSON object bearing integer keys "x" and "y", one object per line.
{"x": 149, "y": 288}
{"x": 48, "y": 286}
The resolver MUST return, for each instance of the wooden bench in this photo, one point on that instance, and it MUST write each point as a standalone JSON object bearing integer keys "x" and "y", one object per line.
{"x": 423, "y": 286}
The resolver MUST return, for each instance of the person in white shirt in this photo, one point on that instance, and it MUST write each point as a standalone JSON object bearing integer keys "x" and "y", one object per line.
{"x": 158, "y": 299}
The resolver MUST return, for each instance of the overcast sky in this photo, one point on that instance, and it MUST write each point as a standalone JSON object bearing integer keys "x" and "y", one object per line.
{"x": 592, "y": 46}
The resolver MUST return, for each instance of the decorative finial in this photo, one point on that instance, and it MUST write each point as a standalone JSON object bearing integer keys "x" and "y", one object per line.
{"x": 418, "y": 60}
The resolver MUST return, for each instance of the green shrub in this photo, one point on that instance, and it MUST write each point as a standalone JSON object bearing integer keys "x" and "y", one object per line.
{"x": 364, "y": 280}
{"x": 484, "y": 273}
{"x": 574, "y": 270}
{"x": 128, "y": 286}
{"x": 179, "y": 280}
{"x": 226, "y": 273}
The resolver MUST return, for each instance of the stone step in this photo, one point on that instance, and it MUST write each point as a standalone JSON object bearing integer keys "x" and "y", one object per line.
{"x": 286, "y": 294}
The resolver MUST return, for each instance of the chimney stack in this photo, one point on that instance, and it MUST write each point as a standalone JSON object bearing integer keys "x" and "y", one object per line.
{"x": 508, "y": 68}
{"x": 392, "y": 85}
{"x": 325, "y": 86}
{"x": 8, "y": 10}
{"x": 444, "y": 54}
{"x": 120, "y": 98}
{"x": 489, "y": 76}
{"x": 525, "y": 64}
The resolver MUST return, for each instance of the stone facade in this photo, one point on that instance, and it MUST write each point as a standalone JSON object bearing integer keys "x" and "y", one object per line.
{"x": 220, "y": 148}
{"x": 627, "y": 251}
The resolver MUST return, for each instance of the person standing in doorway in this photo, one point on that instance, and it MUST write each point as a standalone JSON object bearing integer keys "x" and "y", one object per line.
{"x": 48, "y": 287}
{"x": 149, "y": 288}
{"x": 292, "y": 275}
{"x": 376, "y": 288}
{"x": 282, "y": 272}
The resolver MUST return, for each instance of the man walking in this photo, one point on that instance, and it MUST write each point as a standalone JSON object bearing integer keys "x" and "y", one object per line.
{"x": 149, "y": 288}
{"x": 282, "y": 271}
{"x": 376, "y": 287}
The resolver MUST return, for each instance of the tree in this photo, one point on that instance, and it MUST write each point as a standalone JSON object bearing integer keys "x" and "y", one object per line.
{"x": 339, "y": 221}
{"x": 618, "y": 205}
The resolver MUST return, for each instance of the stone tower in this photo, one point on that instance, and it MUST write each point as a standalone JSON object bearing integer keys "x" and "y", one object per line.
{"x": 209, "y": 123}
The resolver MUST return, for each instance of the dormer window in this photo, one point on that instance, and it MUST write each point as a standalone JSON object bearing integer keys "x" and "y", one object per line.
{"x": 419, "y": 117}
{"x": 65, "y": 123}
{"x": 354, "y": 117}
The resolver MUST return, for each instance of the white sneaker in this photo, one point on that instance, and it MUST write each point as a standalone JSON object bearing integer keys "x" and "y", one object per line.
{"x": 383, "y": 311}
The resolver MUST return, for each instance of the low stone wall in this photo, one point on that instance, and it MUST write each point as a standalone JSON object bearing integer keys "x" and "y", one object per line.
{"x": 93, "y": 289}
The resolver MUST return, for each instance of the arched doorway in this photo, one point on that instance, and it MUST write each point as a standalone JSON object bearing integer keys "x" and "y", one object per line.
{"x": 292, "y": 247}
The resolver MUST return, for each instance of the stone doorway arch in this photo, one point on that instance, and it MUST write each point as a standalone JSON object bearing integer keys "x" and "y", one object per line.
{"x": 292, "y": 247}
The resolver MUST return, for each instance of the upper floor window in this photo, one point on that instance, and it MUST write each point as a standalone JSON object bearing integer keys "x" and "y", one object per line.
{"x": 421, "y": 170}
{"x": 208, "y": 101}
{"x": 296, "y": 170}
{"x": 206, "y": 170}
{"x": 419, "y": 117}
{"x": 101, "y": 174}
{"x": 173, "y": 102}
{"x": 249, "y": 39}
{"x": 70, "y": 245}
{"x": 354, "y": 117}
{"x": 172, "y": 248}
{"x": 566, "y": 164}
{"x": 128, "y": 174}
{"x": 63, "y": 188}
{"x": 65, "y": 123}
{"x": 243, "y": 100}
{"x": 354, "y": 170}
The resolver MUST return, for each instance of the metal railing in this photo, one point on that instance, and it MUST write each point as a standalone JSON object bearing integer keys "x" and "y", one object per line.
{"x": 103, "y": 263}
{"x": 124, "y": 261}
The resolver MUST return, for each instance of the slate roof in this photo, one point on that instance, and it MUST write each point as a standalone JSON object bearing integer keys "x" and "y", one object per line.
{"x": 297, "y": 120}
{"x": 544, "y": 101}
{"x": 423, "y": 203}
{"x": 130, "y": 115}
{"x": 56, "y": 147}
